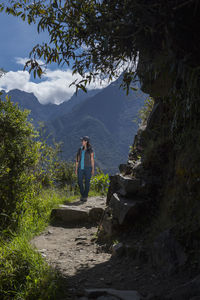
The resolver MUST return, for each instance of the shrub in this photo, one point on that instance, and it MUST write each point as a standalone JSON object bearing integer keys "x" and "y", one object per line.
{"x": 100, "y": 182}
{"x": 37, "y": 210}
{"x": 64, "y": 174}
{"x": 24, "y": 274}
{"x": 19, "y": 154}
{"x": 145, "y": 111}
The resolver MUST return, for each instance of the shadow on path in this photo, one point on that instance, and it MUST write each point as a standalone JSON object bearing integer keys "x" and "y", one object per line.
{"x": 120, "y": 274}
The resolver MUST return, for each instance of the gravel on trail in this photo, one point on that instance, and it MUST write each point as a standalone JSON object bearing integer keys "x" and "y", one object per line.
{"x": 84, "y": 264}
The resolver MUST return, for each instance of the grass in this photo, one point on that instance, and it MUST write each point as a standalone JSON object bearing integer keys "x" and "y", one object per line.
{"x": 24, "y": 274}
{"x": 38, "y": 210}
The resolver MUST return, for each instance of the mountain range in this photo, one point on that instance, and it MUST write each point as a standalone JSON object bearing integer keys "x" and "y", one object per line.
{"x": 106, "y": 116}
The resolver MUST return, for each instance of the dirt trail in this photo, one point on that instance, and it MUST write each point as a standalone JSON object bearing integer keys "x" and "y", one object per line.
{"x": 72, "y": 250}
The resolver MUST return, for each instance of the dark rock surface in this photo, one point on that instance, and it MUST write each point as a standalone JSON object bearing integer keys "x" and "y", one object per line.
{"x": 128, "y": 186}
{"x": 187, "y": 291}
{"x": 167, "y": 253}
{"x": 124, "y": 209}
{"x": 115, "y": 294}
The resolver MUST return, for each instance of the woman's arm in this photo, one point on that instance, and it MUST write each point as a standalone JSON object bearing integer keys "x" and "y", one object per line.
{"x": 92, "y": 162}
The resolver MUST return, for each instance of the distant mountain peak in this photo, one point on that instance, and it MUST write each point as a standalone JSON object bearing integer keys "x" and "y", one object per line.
{"x": 2, "y": 72}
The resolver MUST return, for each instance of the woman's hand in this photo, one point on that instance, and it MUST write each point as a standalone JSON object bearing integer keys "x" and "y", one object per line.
{"x": 92, "y": 172}
{"x": 76, "y": 172}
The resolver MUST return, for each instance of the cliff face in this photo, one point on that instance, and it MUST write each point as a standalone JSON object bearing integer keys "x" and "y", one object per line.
{"x": 159, "y": 186}
{"x": 157, "y": 192}
{"x": 154, "y": 201}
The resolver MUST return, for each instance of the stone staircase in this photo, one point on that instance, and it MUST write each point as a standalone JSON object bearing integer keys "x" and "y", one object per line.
{"x": 127, "y": 201}
{"x": 80, "y": 212}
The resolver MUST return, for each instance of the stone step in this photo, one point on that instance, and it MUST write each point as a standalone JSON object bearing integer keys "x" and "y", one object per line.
{"x": 127, "y": 185}
{"x": 80, "y": 212}
{"x": 125, "y": 209}
{"x": 121, "y": 212}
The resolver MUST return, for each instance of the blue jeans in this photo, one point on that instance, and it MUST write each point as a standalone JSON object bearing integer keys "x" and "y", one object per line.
{"x": 87, "y": 173}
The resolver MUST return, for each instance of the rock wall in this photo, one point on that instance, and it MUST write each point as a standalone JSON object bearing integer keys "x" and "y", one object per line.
{"x": 159, "y": 188}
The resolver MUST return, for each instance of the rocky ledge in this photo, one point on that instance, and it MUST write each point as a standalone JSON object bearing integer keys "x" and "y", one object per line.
{"x": 80, "y": 212}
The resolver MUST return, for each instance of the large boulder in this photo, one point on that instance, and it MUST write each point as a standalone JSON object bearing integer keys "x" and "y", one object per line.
{"x": 128, "y": 186}
{"x": 124, "y": 210}
{"x": 125, "y": 185}
{"x": 70, "y": 215}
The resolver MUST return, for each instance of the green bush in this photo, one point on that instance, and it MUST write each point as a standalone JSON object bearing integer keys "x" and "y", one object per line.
{"x": 19, "y": 154}
{"x": 26, "y": 166}
{"x": 24, "y": 274}
{"x": 100, "y": 182}
{"x": 65, "y": 175}
{"x": 145, "y": 111}
{"x": 37, "y": 210}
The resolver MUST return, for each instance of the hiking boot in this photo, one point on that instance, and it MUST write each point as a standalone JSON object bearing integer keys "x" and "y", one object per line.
{"x": 84, "y": 199}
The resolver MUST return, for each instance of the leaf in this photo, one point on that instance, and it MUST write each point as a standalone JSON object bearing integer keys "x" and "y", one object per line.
{"x": 133, "y": 89}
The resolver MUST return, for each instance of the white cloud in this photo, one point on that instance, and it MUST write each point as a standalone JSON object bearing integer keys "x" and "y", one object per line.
{"x": 12, "y": 80}
{"x": 53, "y": 88}
{"x": 23, "y": 60}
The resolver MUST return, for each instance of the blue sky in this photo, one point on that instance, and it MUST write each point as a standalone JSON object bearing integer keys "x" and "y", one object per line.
{"x": 17, "y": 40}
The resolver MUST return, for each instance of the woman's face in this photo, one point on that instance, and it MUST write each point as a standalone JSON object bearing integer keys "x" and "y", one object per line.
{"x": 84, "y": 143}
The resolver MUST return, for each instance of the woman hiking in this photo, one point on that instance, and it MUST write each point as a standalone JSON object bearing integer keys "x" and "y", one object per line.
{"x": 84, "y": 166}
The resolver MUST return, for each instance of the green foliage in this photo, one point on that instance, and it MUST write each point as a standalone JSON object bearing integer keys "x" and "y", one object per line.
{"x": 37, "y": 210}
{"x": 48, "y": 164}
{"x": 145, "y": 111}
{"x": 24, "y": 274}
{"x": 98, "y": 37}
{"x": 19, "y": 154}
{"x": 65, "y": 175}
{"x": 100, "y": 182}
{"x": 26, "y": 164}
